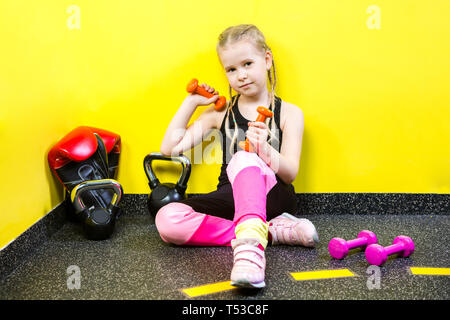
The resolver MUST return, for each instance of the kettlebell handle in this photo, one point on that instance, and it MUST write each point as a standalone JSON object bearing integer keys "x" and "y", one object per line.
{"x": 185, "y": 173}
{"x": 94, "y": 185}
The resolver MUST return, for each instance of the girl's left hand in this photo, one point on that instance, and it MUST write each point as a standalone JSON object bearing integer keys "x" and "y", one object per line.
{"x": 257, "y": 135}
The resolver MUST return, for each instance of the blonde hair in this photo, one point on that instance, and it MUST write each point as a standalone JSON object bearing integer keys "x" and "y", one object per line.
{"x": 248, "y": 32}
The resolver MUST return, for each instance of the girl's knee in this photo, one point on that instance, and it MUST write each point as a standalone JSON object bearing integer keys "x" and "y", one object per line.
{"x": 176, "y": 222}
{"x": 244, "y": 156}
{"x": 243, "y": 159}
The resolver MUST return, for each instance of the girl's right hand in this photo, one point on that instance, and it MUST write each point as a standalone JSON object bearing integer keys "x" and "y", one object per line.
{"x": 200, "y": 100}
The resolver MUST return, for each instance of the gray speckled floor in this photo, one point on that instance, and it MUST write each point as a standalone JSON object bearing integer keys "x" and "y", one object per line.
{"x": 136, "y": 264}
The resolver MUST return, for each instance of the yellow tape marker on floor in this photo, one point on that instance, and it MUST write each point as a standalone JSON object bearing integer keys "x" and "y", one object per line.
{"x": 430, "y": 271}
{"x": 323, "y": 274}
{"x": 209, "y": 288}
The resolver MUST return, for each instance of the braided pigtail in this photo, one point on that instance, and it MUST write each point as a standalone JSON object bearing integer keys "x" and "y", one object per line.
{"x": 233, "y": 137}
{"x": 271, "y": 121}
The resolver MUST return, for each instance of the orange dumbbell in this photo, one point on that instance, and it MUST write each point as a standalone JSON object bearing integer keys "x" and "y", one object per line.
{"x": 263, "y": 114}
{"x": 193, "y": 87}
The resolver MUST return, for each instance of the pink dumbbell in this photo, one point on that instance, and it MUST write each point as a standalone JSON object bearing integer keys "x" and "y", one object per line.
{"x": 377, "y": 255}
{"x": 339, "y": 247}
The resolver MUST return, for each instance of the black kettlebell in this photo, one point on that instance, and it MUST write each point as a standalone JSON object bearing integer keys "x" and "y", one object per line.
{"x": 164, "y": 193}
{"x": 98, "y": 221}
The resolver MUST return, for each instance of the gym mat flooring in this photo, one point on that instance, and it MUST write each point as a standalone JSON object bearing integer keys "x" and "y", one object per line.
{"x": 136, "y": 264}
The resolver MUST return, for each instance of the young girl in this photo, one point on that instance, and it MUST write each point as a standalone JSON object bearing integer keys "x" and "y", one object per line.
{"x": 253, "y": 186}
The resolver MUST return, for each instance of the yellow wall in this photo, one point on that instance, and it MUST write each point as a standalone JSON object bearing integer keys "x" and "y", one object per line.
{"x": 373, "y": 85}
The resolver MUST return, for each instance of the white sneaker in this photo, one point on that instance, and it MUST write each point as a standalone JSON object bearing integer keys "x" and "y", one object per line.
{"x": 249, "y": 264}
{"x": 293, "y": 231}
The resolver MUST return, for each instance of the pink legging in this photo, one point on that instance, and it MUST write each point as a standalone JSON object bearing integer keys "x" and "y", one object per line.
{"x": 251, "y": 180}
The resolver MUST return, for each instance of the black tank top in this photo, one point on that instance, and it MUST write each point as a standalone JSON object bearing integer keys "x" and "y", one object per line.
{"x": 242, "y": 125}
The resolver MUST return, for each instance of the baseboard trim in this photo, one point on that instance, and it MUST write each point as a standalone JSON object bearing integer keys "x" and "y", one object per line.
{"x": 339, "y": 203}
{"x": 373, "y": 203}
